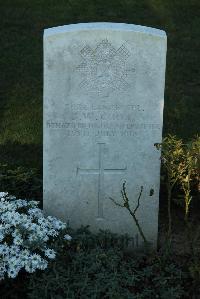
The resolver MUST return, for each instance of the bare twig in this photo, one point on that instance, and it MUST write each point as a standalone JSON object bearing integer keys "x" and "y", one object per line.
{"x": 138, "y": 204}
{"x": 132, "y": 213}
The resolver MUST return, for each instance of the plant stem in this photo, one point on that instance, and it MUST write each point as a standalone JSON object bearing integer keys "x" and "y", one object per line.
{"x": 138, "y": 226}
{"x": 169, "y": 210}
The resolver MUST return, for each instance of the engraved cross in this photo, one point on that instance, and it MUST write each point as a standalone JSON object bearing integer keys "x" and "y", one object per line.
{"x": 100, "y": 171}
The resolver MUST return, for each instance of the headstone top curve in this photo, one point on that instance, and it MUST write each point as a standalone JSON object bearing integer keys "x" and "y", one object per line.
{"x": 104, "y": 25}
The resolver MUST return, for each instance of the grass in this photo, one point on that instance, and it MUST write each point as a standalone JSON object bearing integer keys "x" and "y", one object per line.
{"x": 22, "y": 25}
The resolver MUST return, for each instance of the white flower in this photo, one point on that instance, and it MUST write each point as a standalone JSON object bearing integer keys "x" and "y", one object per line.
{"x": 33, "y": 238}
{"x": 28, "y": 225}
{"x": 51, "y": 218}
{"x": 14, "y": 263}
{"x": 20, "y": 203}
{"x": 4, "y": 249}
{"x": 35, "y": 212}
{"x": 28, "y": 233}
{"x": 12, "y": 273}
{"x": 24, "y": 256}
{"x": 50, "y": 253}
{"x": 16, "y": 233}
{"x": 53, "y": 232}
{"x": 67, "y": 237}
{"x": 18, "y": 240}
{"x": 33, "y": 203}
{"x": 12, "y": 197}
{"x": 3, "y": 194}
{"x": 59, "y": 224}
{"x": 2, "y": 269}
{"x": 14, "y": 249}
{"x": 45, "y": 238}
{"x": 42, "y": 222}
{"x": 35, "y": 259}
{"x": 29, "y": 268}
{"x": 43, "y": 264}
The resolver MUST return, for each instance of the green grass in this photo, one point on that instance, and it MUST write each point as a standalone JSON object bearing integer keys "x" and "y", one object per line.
{"x": 22, "y": 25}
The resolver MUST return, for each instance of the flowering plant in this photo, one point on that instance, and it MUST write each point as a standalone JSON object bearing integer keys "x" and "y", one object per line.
{"x": 25, "y": 235}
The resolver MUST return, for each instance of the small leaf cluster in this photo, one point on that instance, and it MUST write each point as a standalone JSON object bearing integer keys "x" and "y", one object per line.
{"x": 172, "y": 157}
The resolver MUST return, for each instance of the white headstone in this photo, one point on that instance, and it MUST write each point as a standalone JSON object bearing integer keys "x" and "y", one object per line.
{"x": 103, "y": 112}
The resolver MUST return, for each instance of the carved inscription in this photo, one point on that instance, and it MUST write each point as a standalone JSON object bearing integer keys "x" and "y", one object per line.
{"x": 73, "y": 129}
{"x": 102, "y": 120}
{"x": 104, "y": 69}
{"x": 100, "y": 171}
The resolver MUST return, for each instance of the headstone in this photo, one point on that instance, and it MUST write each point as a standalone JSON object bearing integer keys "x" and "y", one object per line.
{"x": 103, "y": 113}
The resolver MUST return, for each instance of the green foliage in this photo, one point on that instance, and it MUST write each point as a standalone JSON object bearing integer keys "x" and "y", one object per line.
{"x": 181, "y": 163}
{"x": 172, "y": 158}
{"x": 88, "y": 269}
{"x": 191, "y": 171}
{"x": 21, "y": 182}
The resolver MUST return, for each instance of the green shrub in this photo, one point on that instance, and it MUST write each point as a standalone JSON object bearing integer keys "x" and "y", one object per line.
{"x": 94, "y": 268}
{"x": 181, "y": 165}
{"x": 21, "y": 182}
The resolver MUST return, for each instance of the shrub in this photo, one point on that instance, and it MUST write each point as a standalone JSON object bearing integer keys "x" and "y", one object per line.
{"x": 25, "y": 236}
{"x": 92, "y": 267}
{"x": 181, "y": 163}
{"x": 21, "y": 182}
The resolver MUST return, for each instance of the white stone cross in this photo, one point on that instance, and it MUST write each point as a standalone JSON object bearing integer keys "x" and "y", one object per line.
{"x": 100, "y": 172}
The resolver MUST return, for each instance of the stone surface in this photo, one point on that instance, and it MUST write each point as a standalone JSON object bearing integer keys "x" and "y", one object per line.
{"x": 103, "y": 112}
